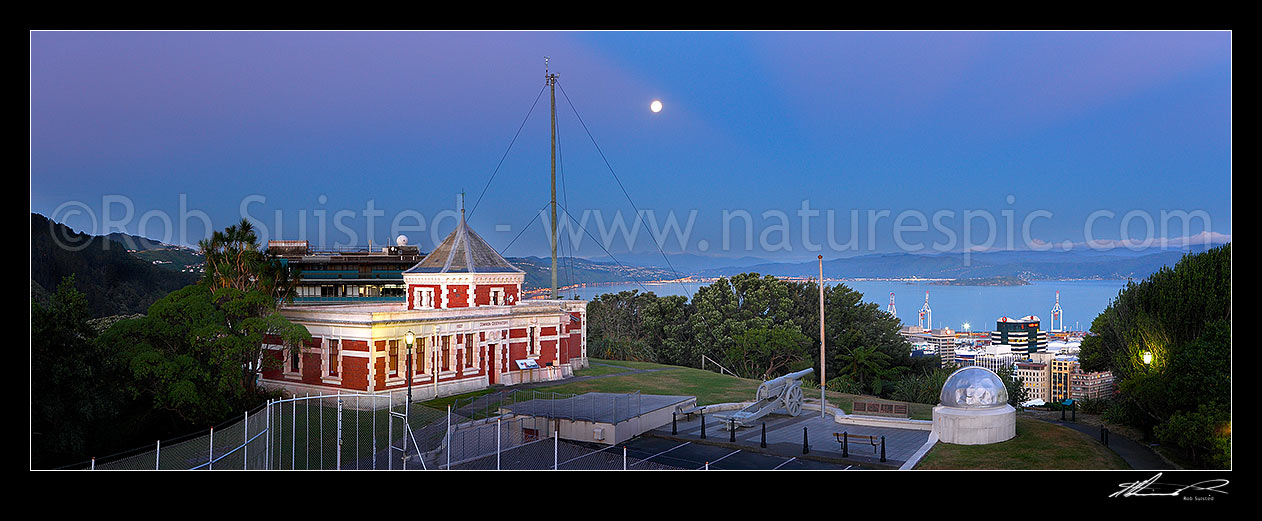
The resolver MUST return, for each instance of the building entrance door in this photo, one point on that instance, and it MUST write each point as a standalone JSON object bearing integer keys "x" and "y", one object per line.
{"x": 490, "y": 363}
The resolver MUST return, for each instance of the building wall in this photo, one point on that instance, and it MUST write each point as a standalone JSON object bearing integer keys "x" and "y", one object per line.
{"x": 482, "y": 294}
{"x": 1060, "y": 384}
{"x": 354, "y": 365}
{"x": 482, "y": 351}
{"x": 314, "y": 366}
{"x": 1036, "y": 380}
{"x": 411, "y": 294}
{"x": 1093, "y": 386}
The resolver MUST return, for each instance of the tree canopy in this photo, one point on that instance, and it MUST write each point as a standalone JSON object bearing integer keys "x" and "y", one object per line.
{"x": 192, "y": 361}
{"x": 74, "y": 381}
{"x": 1180, "y": 320}
{"x": 757, "y": 326}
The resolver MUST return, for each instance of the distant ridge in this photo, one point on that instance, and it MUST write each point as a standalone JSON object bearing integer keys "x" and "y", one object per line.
{"x": 1019, "y": 264}
{"x": 114, "y": 281}
{"x": 538, "y": 272}
{"x": 136, "y": 242}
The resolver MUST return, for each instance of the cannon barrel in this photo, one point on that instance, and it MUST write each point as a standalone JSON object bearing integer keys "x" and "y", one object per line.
{"x": 798, "y": 375}
{"x": 776, "y": 384}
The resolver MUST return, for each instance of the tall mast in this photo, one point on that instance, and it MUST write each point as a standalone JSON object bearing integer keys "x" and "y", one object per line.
{"x": 823, "y": 400}
{"x": 552, "y": 82}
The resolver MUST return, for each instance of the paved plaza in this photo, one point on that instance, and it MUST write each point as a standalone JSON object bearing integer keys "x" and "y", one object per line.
{"x": 785, "y": 436}
{"x": 602, "y": 407}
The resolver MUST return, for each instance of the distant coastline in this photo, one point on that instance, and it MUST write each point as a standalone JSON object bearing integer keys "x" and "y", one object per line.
{"x": 985, "y": 281}
{"x": 695, "y": 280}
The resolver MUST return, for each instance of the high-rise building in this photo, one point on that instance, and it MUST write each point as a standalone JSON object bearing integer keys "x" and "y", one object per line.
{"x": 1061, "y": 369}
{"x": 1022, "y": 334}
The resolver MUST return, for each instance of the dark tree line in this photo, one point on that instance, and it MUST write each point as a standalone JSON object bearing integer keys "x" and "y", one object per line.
{"x": 1167, "y": 340}
{"x": 762, "y": 327}
{"x": 113, "y": 281}
{"x": 191, "y": 362}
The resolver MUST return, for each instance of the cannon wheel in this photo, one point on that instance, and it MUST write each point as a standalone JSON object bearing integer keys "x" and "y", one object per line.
{"x": 793, "y": 402}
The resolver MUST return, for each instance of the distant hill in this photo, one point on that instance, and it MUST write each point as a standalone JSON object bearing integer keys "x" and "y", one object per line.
{"x": 179, "y": 259}
{"x": 162, "y": 255}
{"x": 114, "y": 281}
{"x": 539, "y": 272}
{"x": 684, "y": 263}
{"x": 1024, "y": 265}
{"x": 136, "y": 242}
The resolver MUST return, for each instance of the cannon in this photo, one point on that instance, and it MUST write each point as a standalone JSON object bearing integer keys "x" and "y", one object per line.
{"x": 784, "y": 392}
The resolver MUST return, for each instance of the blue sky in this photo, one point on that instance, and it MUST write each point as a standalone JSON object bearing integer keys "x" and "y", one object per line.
{"x": 310, "y": 124}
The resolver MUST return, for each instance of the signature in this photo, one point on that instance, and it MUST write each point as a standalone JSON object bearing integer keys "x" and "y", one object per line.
{"x": 1151, "y": 487}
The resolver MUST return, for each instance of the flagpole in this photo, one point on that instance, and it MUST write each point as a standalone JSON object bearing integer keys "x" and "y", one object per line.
{"x": 822, "y": 377}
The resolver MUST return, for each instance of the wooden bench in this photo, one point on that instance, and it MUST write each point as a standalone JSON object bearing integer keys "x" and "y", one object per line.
{"x": 689, "y": 411}
{"x": 844, "y": 438}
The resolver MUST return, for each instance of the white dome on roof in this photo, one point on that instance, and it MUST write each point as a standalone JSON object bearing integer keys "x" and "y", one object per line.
{"x": 973, "y": 388}
{"x": 401, "y": 240}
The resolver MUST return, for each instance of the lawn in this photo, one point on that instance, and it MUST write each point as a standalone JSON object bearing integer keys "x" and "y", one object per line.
{"x": 602, "y": 369}
{"x": 709, "y": 387}
{"x": 1037, "y": 446}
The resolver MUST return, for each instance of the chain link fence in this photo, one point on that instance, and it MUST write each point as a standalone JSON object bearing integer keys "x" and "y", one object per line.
{"x": 365, "y": 431}
{"x": 593, "y": 407}
{"x": 525, "y": 444}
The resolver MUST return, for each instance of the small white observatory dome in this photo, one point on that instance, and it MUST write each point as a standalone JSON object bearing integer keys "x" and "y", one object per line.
{"x": 974, "y": 387}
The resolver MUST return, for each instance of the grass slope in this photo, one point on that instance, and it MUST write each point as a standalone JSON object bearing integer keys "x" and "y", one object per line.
{"x": 1037, "y": 446}
{"x": 618, "y": 376}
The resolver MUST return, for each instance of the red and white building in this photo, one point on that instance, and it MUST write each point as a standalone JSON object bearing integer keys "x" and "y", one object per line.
{"x": 472, "y": 330}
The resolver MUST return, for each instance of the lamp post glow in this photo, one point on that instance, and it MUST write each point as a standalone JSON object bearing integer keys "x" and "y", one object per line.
{"x": 410, "y": 338}
{"x": 1147, "y": 357}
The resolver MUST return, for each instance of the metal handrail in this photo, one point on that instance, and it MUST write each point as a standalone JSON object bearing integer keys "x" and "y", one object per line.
{"x": 722, "y": 369}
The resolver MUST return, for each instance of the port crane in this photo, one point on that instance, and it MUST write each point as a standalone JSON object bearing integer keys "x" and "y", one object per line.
{"x": 1058, "y": 314}
{"x": 926, "y": 314}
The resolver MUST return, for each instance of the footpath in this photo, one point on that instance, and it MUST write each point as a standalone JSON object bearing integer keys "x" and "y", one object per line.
{"x": 1138, "y": 455}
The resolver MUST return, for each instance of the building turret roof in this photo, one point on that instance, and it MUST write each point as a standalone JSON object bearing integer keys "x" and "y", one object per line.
{"x": 464, "y": 251}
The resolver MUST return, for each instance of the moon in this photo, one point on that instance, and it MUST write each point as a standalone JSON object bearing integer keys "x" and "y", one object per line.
{"x": 655, "y": 106}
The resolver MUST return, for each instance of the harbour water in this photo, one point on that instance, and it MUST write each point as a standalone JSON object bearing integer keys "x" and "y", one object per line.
{"x": 953, "y": 306}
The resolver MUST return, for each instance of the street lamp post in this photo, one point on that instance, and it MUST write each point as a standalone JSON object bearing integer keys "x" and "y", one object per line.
{"x": 410, "y": 338}
{"x": 407, "y": 406}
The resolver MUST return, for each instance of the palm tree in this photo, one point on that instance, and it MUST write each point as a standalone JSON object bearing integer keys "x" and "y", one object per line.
{"x": 235, "y": 260}
{"x": 864, "y": 364}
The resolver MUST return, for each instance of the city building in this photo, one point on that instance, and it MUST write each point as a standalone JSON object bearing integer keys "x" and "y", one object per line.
{"x": 1061, "y": 369}
{"x": 1035, "y": 378}
{"x": 1022, "y": 334}
{"x": 1069, "y": 381}
{"x": 939, "y": 341}
{"x": 346, "y": 276}
{"x": 1064, "y": 347}
{"x": 1090, "y": 386}
{"x": 994, "y": 357}
{"x": 472, "y": 330}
